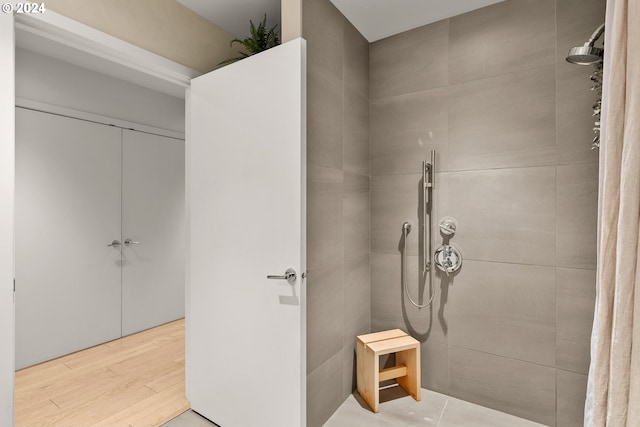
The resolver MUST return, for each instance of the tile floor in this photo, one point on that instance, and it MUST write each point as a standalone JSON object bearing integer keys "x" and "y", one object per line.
{"x": 434, "y": 409}
{"x": 399, "y": 409}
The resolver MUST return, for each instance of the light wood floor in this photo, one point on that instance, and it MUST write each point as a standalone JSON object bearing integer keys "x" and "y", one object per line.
{"x": 131, "y": 382}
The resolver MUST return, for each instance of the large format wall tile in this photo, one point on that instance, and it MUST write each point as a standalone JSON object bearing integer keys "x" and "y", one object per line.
{"x": 412, "y": 61}
{"x": 577, "y": 203}
{"x": 505, "y": 309}
{"x": 324, "y": 216}
{"x": 394, "y": 200}
{"x": 505, "y": 215}
{"x": 510, "y": 36}
{"x": 503, "y": 121}
{"x": 324, "y": 391}
{"x": 404, "y": 130}
{"x": 356, "y": 133}
{"x": 572, "y": 390}
{"x": 519, "y": 388}
{"x": 440, "y": 207}
{"x": 356, "y": 60}
{"x": 325, "y": 314}
{"x": 390, "y": 307}
{"x": 356, "y": 212}
{"x": 575, "y": 302}
{"x": 322, "y": 28}
{"x": 357, "y": 299}
{"x": 324, "y": 119}
{"x": 434, "y": 366}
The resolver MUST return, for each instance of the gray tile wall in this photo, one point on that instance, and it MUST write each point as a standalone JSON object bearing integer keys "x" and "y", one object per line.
{"x": 338, "y": 211}
{"x": 511, "y": 122}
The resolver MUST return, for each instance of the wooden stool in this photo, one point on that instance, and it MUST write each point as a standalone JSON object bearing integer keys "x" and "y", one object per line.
{"x": 407, "y": 370}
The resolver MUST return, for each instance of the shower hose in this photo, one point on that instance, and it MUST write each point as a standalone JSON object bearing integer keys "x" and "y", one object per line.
{"x": 405, "y": 231}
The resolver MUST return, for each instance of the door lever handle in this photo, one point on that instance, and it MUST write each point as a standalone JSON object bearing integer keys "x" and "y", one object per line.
{"x": 289, "y": 275}
{"x": 114, "y": 244}
{"x": 128, "y": 242}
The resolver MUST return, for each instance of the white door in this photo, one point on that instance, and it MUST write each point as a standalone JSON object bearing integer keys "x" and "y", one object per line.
{"x": 153, "y": 207}
{"x": 67, "y": 212}
{"x": 246, "y": 191}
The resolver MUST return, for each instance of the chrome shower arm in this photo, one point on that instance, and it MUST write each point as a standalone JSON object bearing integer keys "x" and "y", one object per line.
{"x": 595, "y": 36}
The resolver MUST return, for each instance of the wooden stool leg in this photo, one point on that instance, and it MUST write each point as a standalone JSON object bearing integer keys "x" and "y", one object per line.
{"x": 411, "y": 382}
{"x": 375, "y": 370}
{"x": 367, "y": 373}
{"x": 360, "y": 369}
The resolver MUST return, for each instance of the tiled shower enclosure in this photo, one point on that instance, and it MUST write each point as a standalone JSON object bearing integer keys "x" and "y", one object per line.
{"x": 510, "y": 120}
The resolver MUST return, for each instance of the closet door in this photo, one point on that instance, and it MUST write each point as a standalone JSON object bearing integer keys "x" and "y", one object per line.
{"x": 153, "y": 212}
{"x": 67, "y": 212}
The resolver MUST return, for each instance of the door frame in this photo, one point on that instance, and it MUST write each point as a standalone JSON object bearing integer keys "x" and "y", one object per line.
{"x": 68, "y": 32}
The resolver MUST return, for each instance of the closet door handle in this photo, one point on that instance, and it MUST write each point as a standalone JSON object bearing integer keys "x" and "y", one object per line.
{"x": 115, "y": 244}
{"x": 128, "y": 242}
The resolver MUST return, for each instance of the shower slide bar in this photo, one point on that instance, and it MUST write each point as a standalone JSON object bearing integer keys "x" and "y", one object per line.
{"x": 428, "y": 171}
{"x": 428, "y": 175}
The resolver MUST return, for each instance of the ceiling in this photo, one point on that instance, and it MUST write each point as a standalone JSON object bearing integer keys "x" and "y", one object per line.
{"x": 375, "y": 19}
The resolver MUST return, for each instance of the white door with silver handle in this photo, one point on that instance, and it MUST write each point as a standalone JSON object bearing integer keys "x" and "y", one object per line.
{"x": 246, "y": 222}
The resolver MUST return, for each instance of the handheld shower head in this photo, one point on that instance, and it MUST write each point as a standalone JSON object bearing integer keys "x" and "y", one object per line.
{"x": 587, "y": 54}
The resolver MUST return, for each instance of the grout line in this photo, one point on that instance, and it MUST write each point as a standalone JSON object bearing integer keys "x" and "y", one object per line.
{"x": 555, "y": 212}
{"x": 505, "y": 357}
{"x": 498, "y": 262}
{"x": 485, "y": 169}
{"x": 461, "y": 83}
{"x": 571, "y": 371}
{"x": 442, "y": 412}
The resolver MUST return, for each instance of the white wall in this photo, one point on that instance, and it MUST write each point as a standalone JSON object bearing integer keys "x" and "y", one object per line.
{"x": 45, "y": 79}
{"x": 7, "y": 125}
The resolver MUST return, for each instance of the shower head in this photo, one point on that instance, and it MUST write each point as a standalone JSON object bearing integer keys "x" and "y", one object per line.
{"x": 587, "y": 54}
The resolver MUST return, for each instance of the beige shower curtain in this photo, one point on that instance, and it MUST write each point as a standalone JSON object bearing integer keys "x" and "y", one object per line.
{"x": 613, "y": 396}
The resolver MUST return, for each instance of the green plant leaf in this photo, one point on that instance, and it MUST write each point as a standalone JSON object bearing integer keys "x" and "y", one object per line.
{"x": 260, "y": 40}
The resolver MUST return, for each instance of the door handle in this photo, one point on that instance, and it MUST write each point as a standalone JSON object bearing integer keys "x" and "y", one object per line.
{"x": 289, "y": 275}
{"x": 128, "y": 242}
{"x": 115, "y": 244}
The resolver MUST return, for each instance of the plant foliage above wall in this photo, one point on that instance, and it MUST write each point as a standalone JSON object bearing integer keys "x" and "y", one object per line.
{"x": 259, "y": 41}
